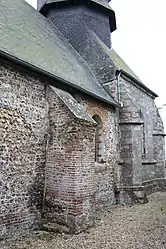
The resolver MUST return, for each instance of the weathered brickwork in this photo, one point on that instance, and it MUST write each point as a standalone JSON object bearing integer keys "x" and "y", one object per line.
{"x": 23, "y": 128}
{"x": 49, "y": 172}
{"x": 69, "y": 182}
{"x": 105, "y": 173}
{"x": 46, "y": 151}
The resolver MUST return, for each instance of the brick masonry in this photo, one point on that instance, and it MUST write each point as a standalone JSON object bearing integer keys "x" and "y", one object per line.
{"x": 133, "y": 137}
{"x": 69, "y": 182}
{"x": 48, "y": 168}
{"x": 105, "y": 173}
{"x": 47, "y": 152}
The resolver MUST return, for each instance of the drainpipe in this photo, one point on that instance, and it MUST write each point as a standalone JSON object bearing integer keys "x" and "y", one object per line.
{"x": 118, "y": 74}
{"x": 117, "y": 78}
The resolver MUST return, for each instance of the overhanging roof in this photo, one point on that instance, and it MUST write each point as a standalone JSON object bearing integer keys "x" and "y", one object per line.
{"x": 121, "y": 65}
{"x": 32, "y": 40}
{"x": 74, "y": 107}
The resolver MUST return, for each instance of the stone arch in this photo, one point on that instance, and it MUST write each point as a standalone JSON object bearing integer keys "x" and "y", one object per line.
{"x": 99, "y": 140}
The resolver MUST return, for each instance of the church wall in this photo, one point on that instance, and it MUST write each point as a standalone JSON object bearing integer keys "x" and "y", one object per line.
{"x": 130, "y": 138}
{"x": 106, "y": 173}
{"x": 146, "y": 106}
{"x": 131, "y": 172}
{"x": 23, "y": 130}
{"x": 28, "y": 116}
{"x": 159, "y": 155}
{"x": 159, "y": 147}
{"x": 31, "y": 134}
{"x": 69, "y": 180}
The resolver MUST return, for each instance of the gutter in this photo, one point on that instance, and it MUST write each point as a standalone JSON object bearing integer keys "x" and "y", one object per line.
{"x": 36, "y": 69}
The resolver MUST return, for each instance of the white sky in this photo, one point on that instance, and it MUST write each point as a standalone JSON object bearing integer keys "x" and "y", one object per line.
{"x": 140, "y": 39}
{"x": 32, "y": 2}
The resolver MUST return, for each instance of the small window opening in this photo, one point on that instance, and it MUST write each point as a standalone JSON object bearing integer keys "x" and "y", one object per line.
{"x": 99, "y": 144}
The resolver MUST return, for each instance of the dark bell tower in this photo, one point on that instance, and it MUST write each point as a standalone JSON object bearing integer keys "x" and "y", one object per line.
{"x": 71, "y": 17}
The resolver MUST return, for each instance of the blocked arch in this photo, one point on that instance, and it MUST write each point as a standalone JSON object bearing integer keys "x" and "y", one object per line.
{"x": 99, "y": 140}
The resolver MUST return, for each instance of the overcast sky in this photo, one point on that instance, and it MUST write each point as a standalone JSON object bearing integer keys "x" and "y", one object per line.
{"x": 140, "y": 40}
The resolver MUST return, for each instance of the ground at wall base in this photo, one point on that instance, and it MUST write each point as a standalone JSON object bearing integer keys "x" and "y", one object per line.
{"x": 124, "y": 227}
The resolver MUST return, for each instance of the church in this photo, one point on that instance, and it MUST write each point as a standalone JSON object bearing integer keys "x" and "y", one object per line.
{"x": 79, "y": 131}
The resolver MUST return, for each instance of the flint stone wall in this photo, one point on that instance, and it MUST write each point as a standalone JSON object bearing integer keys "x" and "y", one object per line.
{"x": 23, "y": 131}
{"x": 47, "y": 161}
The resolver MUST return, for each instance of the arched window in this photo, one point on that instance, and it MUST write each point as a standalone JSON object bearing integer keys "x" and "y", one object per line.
{"x": 99, "y": 142}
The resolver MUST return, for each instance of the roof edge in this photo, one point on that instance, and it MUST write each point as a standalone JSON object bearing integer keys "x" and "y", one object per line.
{"x": 139, "y": 83}
{"x": 45, "y": 73}
{"x": 112, "y": 17}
